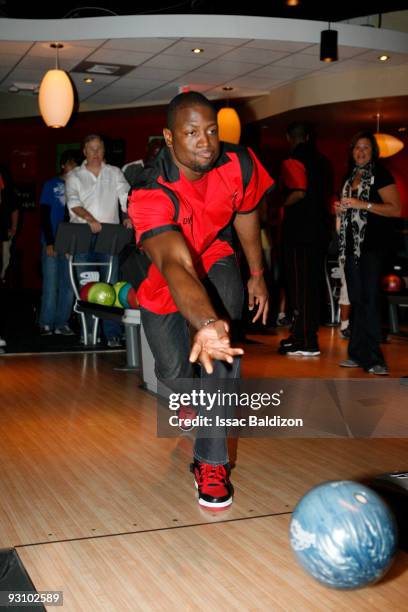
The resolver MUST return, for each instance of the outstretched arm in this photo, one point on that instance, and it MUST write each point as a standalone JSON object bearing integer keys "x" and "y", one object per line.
{"x": 248, "y": 230}
{"x": 170, "y": 254}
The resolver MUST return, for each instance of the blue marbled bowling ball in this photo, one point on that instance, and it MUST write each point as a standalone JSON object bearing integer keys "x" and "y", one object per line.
{"x": 343, "y": 534}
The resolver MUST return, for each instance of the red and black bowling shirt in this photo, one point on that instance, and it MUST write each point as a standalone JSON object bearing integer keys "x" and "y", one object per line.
{"x": 294, "y": 175}
{"x": 306, "y": 221}
{"x": 201, "y": 210}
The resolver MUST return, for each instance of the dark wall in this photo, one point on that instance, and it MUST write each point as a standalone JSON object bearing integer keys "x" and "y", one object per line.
{"x": 29, "y": 149}
{"x": 271, "y": 144}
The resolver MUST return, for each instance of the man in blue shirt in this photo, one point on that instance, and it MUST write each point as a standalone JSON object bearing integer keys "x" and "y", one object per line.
{"x": 57, "y": 293}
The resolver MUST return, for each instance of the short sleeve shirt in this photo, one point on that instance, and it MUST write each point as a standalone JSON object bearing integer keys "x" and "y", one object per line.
{"x": 304, "y": 221}
{"x": 294, "y": 175}
{"x": 53, "y": 195}
{"x": 203, "y": 213}
{"x": 378, "y": 234}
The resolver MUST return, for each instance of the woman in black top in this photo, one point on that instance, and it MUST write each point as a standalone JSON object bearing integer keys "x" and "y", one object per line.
{"x": 369, "y": 196}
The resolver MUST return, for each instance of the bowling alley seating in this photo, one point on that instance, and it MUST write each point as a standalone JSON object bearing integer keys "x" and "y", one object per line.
{"x": 74, "y": 238}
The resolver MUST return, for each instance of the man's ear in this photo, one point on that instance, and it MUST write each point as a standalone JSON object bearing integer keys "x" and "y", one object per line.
{"x": 168, "y": 137}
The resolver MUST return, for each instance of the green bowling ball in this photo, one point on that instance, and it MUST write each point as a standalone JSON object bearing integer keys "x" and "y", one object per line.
{"x": 102, "y": 294}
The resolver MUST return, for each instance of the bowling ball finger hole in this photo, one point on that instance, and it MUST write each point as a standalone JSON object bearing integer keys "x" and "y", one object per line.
{"x": 361, "y": 498}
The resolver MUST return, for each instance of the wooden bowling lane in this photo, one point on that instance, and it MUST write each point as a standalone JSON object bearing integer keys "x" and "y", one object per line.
{"x": 80, "y": 457}
{"x": 240, "y": 565}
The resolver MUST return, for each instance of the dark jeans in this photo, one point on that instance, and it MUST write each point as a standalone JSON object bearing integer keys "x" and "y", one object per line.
{"x": 304, "y": 269}
{"x": 363, "y": 284}
{"x": 169, "y": 340}
{"x": 57, "y": 294}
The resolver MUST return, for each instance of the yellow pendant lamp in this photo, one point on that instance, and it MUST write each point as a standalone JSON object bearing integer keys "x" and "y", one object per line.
{"x": 56, "y": 95}
{"x": 388, "y": 145}
{"x": 229, "y": 125}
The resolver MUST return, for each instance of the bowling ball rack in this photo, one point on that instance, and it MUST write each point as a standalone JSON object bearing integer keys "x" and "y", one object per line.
{"x": 138, "y": 353}
{"x": 395, "y": 300}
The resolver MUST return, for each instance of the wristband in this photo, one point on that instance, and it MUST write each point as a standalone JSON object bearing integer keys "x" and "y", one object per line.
{"x": 208, "y": 322}
{"x": 257, "y": 272}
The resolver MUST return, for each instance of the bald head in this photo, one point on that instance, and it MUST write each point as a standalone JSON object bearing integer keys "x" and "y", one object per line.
{"x": 183, "y": 101}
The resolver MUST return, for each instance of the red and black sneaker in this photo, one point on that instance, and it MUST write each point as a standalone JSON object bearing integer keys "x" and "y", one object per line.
{"x": 213, "y": 484}
{"x": 186, "y": 414}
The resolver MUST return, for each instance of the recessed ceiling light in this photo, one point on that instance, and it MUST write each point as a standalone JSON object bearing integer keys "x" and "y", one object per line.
{"x": 88, "y": 80}
{"x": 228, "y": 88}
{"x": 197, "y": 50}
{"x": 383, "y": 58}
{"x": 292, "y": 2}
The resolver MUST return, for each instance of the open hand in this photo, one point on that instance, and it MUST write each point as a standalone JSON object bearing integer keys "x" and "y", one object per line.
{"x": 213, "y": 342}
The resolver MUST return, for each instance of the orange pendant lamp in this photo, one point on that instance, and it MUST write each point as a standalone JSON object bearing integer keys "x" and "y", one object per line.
{"x": 56, "y": 95}
{"x": 387, "y": 144}
{"x": 229, "y": 125}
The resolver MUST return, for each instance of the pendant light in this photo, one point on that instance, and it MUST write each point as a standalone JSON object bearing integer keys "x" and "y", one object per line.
{"x": 387, "y": 144}
{"x": 229, "y": 124}
{"x": 328, "y": 45}
{"x": 56, "y": 95}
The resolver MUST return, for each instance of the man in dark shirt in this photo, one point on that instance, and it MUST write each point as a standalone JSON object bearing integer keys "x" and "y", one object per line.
{"x": 8, "y": 229}
{"x": 133, "y": 171}
{"x": 8, "y": 219}
{"x": 305, "y": 233}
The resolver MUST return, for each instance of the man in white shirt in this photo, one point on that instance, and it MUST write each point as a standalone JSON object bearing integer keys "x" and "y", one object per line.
{"x": 93, "y": 190}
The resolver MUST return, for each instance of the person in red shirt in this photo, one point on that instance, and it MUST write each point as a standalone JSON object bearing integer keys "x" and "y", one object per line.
{"x": 305, "y": 233}
{"x": 196, "y": 191}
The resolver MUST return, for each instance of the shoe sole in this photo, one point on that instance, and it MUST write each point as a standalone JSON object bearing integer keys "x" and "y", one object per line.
{"x": 207, "y": 504}
{"x": 379, "y": 373}
{"x": 343, "y": 365}
{"x": 304, "y": 353}
{"x": 186, "y": 429}
{"x": 219, "y": 505}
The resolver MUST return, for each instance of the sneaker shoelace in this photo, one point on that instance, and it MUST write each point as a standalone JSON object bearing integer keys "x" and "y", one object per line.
{"x": 212, "y": 475}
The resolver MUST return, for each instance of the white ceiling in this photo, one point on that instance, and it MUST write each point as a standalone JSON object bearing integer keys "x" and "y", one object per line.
{"x": 162, "y": 65}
